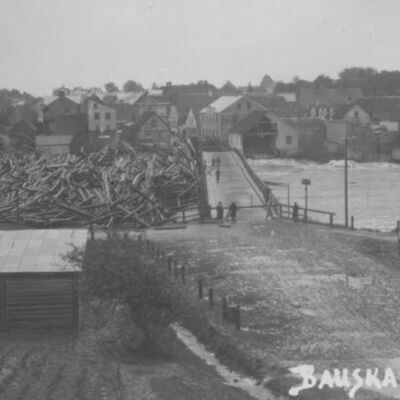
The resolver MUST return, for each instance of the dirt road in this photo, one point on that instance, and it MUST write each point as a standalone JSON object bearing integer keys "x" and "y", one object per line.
{"x": 308, "y": 294}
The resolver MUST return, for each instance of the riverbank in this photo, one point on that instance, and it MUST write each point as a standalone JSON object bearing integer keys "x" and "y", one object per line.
{"x": 308, "y": 294}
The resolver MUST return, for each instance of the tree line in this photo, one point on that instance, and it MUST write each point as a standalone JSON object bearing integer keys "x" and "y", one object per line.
{"x": 369, "y": 80}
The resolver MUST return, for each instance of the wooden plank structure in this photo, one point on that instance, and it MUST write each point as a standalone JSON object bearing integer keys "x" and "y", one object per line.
{"x": 38, "y": 287}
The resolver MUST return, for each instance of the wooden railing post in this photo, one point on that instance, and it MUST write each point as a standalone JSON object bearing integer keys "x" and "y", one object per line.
{"x": 200, "y": 287}
{"x": 211, "y": 297}
{"x": 224, "y": 308}
{"x": 331, "y": 219}
{"x": 352, "y": 222}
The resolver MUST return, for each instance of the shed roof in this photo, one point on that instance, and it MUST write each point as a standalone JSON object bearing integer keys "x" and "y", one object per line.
{"x": 38, "y": 250}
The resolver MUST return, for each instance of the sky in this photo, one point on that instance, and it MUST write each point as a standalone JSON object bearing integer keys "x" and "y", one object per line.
{"x": 47, "y": 43}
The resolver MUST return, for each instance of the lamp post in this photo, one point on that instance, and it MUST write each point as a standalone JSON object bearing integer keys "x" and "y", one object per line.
{"x": 306, "y": 182}
{"x": 346, "y": 181}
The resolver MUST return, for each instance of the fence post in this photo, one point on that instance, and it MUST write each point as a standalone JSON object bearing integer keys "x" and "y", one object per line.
{"x": 91, "y": 230}
{"x": 183, "y": 216}
{"x": 331, "y": 220}
{"x": 280, "y": 210}
{"x": 176, "y": 270}
{"x": 224, "y": 309}
{"x": 140, "y": 240}
{"x": 169, "y": 263}
{"x": 211, "y": 297}
{"x": 17, "y": 200}
{"x": 237, "y": 317}
{"x": 200, "y": 287}
{"x": 352, "y": 222}
{"x": 398, "y": 235}
{"x": 183, "y": 273}
{"x": 251, "y": 201}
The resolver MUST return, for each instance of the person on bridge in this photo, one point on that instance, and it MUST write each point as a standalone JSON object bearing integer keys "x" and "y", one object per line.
{"x": 295, "y": 212}
{"x": 232, "y": 212}
{"x": 217, "y": 175}
{"x": 220, "y": 213}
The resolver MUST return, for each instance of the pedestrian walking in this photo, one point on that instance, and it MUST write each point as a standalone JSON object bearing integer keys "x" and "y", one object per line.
{"x": 220, "y": 213}
{"x": 232, "y": 212}
{"x": 295, "y": 212}
{"x": 269, "y": 212}
{"x": 217, "y": 175}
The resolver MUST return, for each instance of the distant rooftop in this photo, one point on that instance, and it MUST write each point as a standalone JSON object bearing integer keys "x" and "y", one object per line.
{"x": 222, "y": 103}
{"x": 39, "y": 250}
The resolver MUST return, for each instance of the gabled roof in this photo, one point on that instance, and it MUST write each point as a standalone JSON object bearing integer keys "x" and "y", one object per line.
{"x": 329, "y": 96}
{"x": 51, "y": 99}
{"x": 249, "y": 122}
{"x": 195, "y": 102}
{"x": 222, "y": 103}
{"x": 143, "y": 118}
{"x": 387, "y": 107}
{"x": 93, "y": 97}
{"x": 343, "y": 109}
{"x": 194, "y": 88}
{"x": 130, "y": 97}
{"x": 277, "y": 104}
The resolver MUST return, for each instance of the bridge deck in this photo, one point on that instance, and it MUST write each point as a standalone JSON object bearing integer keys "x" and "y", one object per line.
{"x": 235, "y": 184}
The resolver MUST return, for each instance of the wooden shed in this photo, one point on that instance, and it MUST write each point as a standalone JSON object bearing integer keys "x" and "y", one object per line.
{"x": 38, "y": 287}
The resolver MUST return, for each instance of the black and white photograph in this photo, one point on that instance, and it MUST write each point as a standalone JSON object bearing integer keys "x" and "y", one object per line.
{"x": 199, "y": 200}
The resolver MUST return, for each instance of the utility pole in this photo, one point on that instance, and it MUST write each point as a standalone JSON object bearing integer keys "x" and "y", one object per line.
{"x": 346, "y": 203}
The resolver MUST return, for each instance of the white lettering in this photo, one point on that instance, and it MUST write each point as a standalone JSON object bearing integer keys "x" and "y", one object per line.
{"x": 372, "y": 378}
{"x": 326, "y": 379}
{"x": 359, "y": 382}
{"x": 309, "y": 380}
{"x": 389, "y": 378}
{"x": 341, "y": 380}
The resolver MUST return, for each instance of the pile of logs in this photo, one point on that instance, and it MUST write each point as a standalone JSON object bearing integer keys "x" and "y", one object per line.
{"x": 117, "y": 186}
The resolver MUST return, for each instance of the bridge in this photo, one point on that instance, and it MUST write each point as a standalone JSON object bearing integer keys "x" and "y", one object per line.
{"x": 235, "y": 183}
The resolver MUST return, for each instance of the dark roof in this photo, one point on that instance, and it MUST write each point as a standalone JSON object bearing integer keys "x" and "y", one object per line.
{"x": 229, "y": 88}
{"x": 331, "y": 96}
{"x": 342, "y": 110}
{"x": 246, "y": 124}
{"x": 277, "y": 104}
{"x": 95, "y": 98}
{"x": 143, "y": 118}
{"x": 381, "y": 107}
{"x": 307, "y": 123}
{"x": 196, "y": 102}
{"x": 199, "y": 88}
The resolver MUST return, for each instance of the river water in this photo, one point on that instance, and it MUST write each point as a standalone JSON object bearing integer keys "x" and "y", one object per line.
{"x": 373, "y": 189}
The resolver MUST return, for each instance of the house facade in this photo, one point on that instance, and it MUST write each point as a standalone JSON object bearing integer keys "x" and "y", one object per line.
{"x": 263, "y": 132}
{"x": 149, "y": 131}
{"x": 100, "y": 116}
{"x": 219, "y": 117}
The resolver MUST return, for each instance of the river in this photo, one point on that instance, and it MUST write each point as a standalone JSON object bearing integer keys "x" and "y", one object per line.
{"x": 373, "y": 189}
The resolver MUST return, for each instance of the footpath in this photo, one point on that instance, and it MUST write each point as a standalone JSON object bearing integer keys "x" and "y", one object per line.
{"x": 308, "y": 294}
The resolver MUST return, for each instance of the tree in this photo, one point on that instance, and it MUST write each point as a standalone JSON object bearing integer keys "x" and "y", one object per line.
{"x": 322, "y": 81}
{"x": 132, "y": 86}
{"x": 111, "y": 87}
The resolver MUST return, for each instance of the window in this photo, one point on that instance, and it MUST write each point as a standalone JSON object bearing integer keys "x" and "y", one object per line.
{"x": 108, "y": 115}
{"x": 96, "y": 115}
{"x": 234, "y": 119}
{"x": 239, "y": 106}
{"x": 248, "y": 105}
{"x": 94, "y": 105}
{"x": 355, "y": 113}
{"x": 288, "y": 140}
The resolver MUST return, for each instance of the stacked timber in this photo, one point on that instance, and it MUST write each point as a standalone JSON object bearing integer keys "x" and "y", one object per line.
{"x": 116, "y": 186}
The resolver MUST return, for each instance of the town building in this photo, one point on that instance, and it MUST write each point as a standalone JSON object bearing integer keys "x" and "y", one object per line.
{"x": 149, "y": 131}
{"x": 264, "y": 133}
{"x": 219, "y": 117}
{"x": 188, "y": 107}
